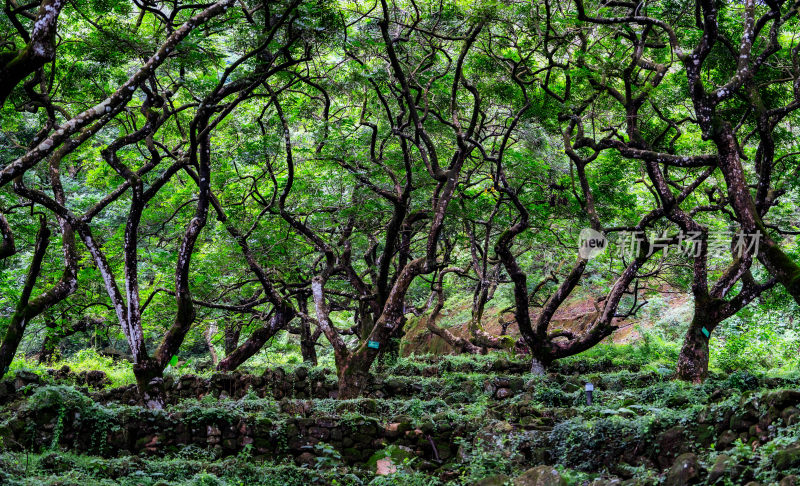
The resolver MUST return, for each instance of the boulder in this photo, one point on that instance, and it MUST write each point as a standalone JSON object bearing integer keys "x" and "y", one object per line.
{"x": 495, "y": 434}
{"x": 723, "y": 468}
{"x": 704, "y": 434}
{"x": 386, "y": 461}
{"x": 540, "y": 476}
{"x": 726, "y": 440}
{"x": 670, "y": 443}
{"x": 741, "y": 422}
{"x": 496, "y": 480}
{"x": 25, "y": 378}
{"x": 790, "y": 480}
{"x": 684, "y": 471}
{"x": 54, "y": 462}
{"x": 62, "y": 372}
{"x": 306, "y": 458}
{"x": 300, "y": 373}
{"x": 7, "y": 391}
{"x": 790, "y": 415}
{"x": 783, "y": 398}
{"x": 787, "y": 458}
{"x": 97, "y": 379}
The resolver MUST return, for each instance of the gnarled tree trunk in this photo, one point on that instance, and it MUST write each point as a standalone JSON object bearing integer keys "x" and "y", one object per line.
{"x": 7, "y": 247}
{"x": 150, "y": 383}
{"x": 16, "y": 66}
{"x": 23, "y": 313}
{"x": 693, "y": 358}
{"x": 209, "y": 337}
{"x": 353, "y": 381}
{"x": 538, "y": 366}
{"x": 308, "y": 340}
{"x": 308, "y": 345}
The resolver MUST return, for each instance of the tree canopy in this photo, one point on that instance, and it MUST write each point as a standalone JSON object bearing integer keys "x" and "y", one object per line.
{"x": 172, "y": 172}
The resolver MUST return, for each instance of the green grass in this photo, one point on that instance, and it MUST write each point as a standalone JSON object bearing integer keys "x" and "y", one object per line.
{"x": 119, "y": 372}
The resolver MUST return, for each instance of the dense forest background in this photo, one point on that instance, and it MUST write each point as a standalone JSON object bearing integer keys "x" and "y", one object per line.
{"x": 371, "y": 189}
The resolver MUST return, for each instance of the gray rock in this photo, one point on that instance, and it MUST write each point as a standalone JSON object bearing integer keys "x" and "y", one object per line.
{"x": 540, "y": 476}
{"x": 497, "y": 480}
{"x": 723, "y": 467}
{"x": 726, "y": 440}
{"x": 24, "y": 378}
{"x": 783, "y": 398}
{"x": 685, "y": 470}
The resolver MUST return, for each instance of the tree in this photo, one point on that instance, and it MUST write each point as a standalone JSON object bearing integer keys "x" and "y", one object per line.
{"x": 740, "y": 96}
{"x": 194, "y": 152}
{"x": 39, "y": 42}
{"x": 29, "y": 308}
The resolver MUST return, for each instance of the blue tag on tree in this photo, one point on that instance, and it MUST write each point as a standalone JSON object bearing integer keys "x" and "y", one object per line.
{"x": 705, "y": 331}
{"x": 373, "y": 344}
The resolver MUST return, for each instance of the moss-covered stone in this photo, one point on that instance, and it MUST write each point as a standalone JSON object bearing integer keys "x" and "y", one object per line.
{"x": 496, "y": 480}
{"x": 540, "y": 476}
{"x": 787, "y": 458}
{"x": 685, "y": 471}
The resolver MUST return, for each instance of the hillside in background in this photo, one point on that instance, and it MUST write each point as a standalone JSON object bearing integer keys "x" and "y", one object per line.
{"x": 575, "y": 315}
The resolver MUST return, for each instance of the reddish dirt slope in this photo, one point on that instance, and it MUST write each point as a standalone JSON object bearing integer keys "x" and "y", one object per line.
{"x": 574, "y": 316}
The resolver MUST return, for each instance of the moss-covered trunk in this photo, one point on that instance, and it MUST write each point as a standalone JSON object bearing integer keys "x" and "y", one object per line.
{"x": 694, "y": 355}
{"x": 150, "y": 383}
{"x": 352, "y": 382}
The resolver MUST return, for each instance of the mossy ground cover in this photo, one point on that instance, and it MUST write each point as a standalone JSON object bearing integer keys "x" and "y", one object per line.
{"x": 448, "y": 424}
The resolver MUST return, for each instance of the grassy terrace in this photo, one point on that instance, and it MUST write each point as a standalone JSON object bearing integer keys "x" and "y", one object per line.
{"x": 446, "y": 421}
